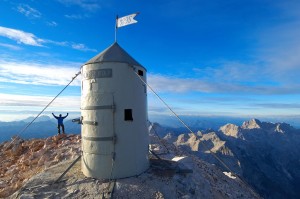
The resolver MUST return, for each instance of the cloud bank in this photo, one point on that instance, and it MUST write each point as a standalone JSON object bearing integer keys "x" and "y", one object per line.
{"x": 12, "y": 47}
{"x": 37, "y": 74}
{"x": 211, "y": 80}
{"x": 67, "y": 102}
{"x": 88, "y": 5}
{"x": 169, "y": 84}
{"x": 20, "y": 36}
{"x": 26, "y": 38}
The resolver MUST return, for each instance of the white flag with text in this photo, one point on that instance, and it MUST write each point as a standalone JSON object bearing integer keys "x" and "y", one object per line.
{"x": 127, "y": 20}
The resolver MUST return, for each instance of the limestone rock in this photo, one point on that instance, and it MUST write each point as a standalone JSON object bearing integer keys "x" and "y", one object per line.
{"x": 231, "y": 130}
{"x": 24, "y": 158}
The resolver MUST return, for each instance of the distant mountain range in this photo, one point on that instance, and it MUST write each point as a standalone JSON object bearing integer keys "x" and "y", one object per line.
{"x": 42, "y": 127}
{"x": 45, "y": 126}
{"x": 215, "y": 122}
{"x": 266, "y": 155}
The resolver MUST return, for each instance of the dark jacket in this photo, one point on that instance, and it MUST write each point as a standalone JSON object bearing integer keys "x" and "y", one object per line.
{"x": 60, "y": 119}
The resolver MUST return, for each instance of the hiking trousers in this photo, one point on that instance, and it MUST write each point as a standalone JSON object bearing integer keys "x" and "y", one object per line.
{"x": 62, "y": 127}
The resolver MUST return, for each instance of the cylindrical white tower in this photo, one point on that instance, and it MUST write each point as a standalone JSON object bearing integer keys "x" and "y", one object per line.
{"x": 114, "y": 116}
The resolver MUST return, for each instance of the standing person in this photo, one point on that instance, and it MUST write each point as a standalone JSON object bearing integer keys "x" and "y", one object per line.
{"x": 60, "y": 123}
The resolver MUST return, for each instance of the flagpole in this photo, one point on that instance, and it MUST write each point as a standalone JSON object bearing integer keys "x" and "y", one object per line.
{"x": 116, "y": 28}
{"x": 124, "y": 21}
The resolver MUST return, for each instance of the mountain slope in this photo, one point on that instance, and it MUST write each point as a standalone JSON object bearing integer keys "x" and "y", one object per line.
{"x": 265, "y": 154}
{"x": 269, "y": 157}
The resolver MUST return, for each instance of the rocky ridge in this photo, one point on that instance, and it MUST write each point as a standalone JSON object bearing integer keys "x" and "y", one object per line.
{"x": 160, "y": 181}
{"x": 265, "y": 154}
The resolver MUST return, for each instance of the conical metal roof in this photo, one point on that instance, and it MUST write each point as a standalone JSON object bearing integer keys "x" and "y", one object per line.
{"x": 114, "y": 53}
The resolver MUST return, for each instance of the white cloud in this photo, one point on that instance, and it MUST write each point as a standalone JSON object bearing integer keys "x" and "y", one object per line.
{"x": 12, "y": 47}
{"x": 38, "y": 101}
{"x": 182, "y": 85}
{"x": 30, "y": 39}
{"x": 14, "y": 107}
{"x": 88, "y": 5}
{"x": 61, "y": 74}
{"x": 170, "y": 84}
{"x": 28, "y": 11}
{"x": 52, "y": 23}
{"x": 33, "y": 13}
{"x": 20, "y": 36}
{"x": 275, "y": 105}
{"x": 173, "y": 84}
{"x": 82, "y": 47}
{"x": 77, "y": 16}
{"x": 37, "y": 74}
{"x": 58, "y": 43}
{"x": 279, "y": 48}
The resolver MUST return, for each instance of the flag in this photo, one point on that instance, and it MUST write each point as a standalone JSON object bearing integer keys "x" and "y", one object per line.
{"x": 127, "y": 20}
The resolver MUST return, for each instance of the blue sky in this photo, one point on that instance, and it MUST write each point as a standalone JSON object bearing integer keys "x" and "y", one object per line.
{"x": 211, "y": 58}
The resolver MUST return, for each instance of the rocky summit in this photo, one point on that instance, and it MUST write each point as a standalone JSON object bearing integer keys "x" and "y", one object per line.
{"x": 31, "y": 168}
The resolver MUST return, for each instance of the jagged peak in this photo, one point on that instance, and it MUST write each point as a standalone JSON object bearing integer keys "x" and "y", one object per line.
{"x": 211, "y": 135}
{"x": 170, "y": 137}
{"x": 283, "y": 127}
{"x": 252, "y": 124}
{"x": 199, "y": 133}
{"x": 182, "y": 138}
{"x": 209, "y": 130}
{"x": 230, "y": 130}
{"x": 267, "y": 126}
{"x": 229, "y": 126}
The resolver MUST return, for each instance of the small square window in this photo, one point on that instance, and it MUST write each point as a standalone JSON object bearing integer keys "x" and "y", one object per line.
{"x": 141, "y": 73}
{"x": 128, "y": 115}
